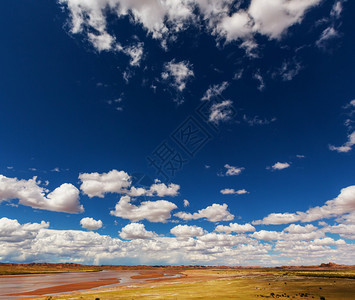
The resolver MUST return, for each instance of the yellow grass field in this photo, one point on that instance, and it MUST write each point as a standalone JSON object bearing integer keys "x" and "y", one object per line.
{"x": 47, "y": 268}
{"x": 235, "y": 284}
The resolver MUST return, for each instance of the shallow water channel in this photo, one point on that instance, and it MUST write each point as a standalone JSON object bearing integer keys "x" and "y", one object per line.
{"x": 21, "y": 285}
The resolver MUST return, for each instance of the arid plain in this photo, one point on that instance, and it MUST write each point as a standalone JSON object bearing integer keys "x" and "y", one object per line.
{"x": 326, "y": 281}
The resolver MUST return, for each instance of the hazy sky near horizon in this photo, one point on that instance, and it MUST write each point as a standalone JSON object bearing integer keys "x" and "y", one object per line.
{"x": 177, "y": 132}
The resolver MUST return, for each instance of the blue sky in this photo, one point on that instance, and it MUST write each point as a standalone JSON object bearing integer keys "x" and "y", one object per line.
{"x": 177, "y": 132}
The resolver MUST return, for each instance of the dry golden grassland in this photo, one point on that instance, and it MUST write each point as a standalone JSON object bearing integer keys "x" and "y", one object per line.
{"x": 236, "y": 284}
{"x": 36, "y": 269}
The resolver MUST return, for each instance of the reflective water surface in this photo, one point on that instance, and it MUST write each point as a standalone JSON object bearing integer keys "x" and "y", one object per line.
{"x": 19, "y": 284}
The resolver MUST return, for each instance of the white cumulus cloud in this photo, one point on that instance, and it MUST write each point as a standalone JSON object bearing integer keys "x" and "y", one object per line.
{"x": 213, "y": 213}
{"x": 233, "y": 192}
{"x": 90, "y": 223}
{"x": 161, "y": 189}
{"x": 280, "y": 166}
{"x": 235, "y": 227}
{"x": 64, "y": 198}
{"x": 232, "y": 170}
{"x": 153, "y": 211}
{"x": 273, "y": 17}
{"x": 135, "y": 231}
{"x": 97, "y": 185}
{"x": 344, "y": 203}
{"x": 163, "y": 20}
{"x": 12, "y": 231}
{"x": 266, "y": 235}
{"x": 347, "y": 147}
{"x": 186, "y": 231}
{"x": 156, "y": 189}
{"x": 192, "y": 245}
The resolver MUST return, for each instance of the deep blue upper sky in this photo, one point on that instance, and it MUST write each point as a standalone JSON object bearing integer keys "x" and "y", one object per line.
{"x": 103, "y": 96}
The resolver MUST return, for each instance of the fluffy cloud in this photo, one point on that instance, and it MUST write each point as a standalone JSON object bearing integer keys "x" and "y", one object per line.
{"x": 344, "y": 230}
{"x": 136, "y": 192}
{"x": 277, "y": 219}
{"x": 66, "y": 246}
{"x": 294, "y": 228}
{"x": 213, "y": 213}
{"x": 233, "y": 192}
{"x": 90, "y": 223}
{"x": 157, "y": 189}
{"x": 164, "y": 19}
{"x": 328, "y": 241}
{"x": 215, "y": 90}
{"x": 93, "y": 248}
{"x": 215, "y": 240}
{"x": 273, "y": 17}
{"x": 177, "y": 73}
{"x": 347, "y": 218}
{"x": 186, "y": 203}
{"x": 153, "y": 211}
{"x": 135, "y": 52}
{"x": 280, "y": 166}
{"x": 232, "y": 171}
{"x": 97, "y": 185}
{"x": 135, "y": 231}
{"x": 161, "y": 190}
{"x": 266, "y": 235}
{"x": 235, "y": 27}
{"x": 88, "y": 15}
{"x": 35, "y": 242}
{"x": 13, "y": 231}
{"x": 221, "y": 112}
{"x": 347, "y": 146}
{"x": 101, "y": 41}
{"x": 342, "y": 204}
{"x": 29, "y": 192}
{"x": 235, "y": 227}
{"x": 185, "y": 231}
